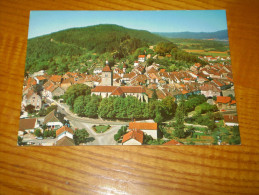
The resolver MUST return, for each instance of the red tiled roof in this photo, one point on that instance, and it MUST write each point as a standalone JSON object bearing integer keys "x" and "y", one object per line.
{"x": 230, "y": 119}
{"x": 27, "y": 124}
{"x": 107, "y": 69}
{"x": 65, "y": 141}
{"x": 63, "y": 129}
{"x": 117, "y": 91}
{"x": 233, "y": 102}
{"x": 134, "y": 134}
{"x": 152, "y": 70}
{"x": 31, "y": 81}
{"x": 162, "y": 70}
{"x": 55, "y": 78}
{"x": 223, "y": 99}
{"x": 218, "y": 83}
{"x": 209, "y": 87}
{"x": 184, "y": 92}
{"x": 143, "y": 126}
{"x": 116, "y": 76}
{"x": 68, "y": 81}
{"x": 141, "y": 56}
{"x": 104, "y": 89}
{"x": 172, "y": 142}
{"x": 51, "y": 88}
{"x": 130, "y": 75}
{"x": 231, "y": 80}
{"x": 40, "y": 78}
{"x": 124, "y": 89}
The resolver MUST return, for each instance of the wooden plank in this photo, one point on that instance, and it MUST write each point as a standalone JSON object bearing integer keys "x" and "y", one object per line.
{"x": 130, "y": 169}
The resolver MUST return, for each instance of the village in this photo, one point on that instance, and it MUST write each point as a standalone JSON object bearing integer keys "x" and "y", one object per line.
{"x": 41, "y": 92}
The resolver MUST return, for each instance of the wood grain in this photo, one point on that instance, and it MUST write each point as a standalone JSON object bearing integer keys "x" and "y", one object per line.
{"x": 130, "y": 169}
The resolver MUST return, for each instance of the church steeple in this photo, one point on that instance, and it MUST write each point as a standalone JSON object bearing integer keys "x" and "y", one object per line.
{"x": 107, "y": 75}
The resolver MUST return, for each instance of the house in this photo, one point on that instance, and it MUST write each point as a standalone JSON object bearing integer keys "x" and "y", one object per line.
{"x": 148, "y": 128}
{"x": 127, "y": 77}
{"x": 136, "y": 63}
{"x": 66, "y": 83}
{"x": 134, "y": 137}
{"x": 223, "y": 102}
{"x": 53, "y": 90}
{"x": 56, "y": 79}
{"x": 209, "y": 90}
{"x": 92, "y": 81}
{"x": 32, "y": 98}
{"x": 231, "y": 120}
{"x": 123, "y": 91}
{"x": 53, "y": 120}
{"x": 40, "y": 80}
{"x": 27, "y": 125}
{"x": 141, "y": 58}
{"x": 64, "y": 132}
{"x": 65, "y": 141}
{"x": 172, "y": 143}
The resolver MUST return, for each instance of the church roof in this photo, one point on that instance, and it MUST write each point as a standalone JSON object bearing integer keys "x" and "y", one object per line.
{"x": 107, "y": 69}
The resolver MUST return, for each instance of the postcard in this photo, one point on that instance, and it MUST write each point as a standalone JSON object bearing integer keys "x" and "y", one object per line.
{"x": 128, "y": 78}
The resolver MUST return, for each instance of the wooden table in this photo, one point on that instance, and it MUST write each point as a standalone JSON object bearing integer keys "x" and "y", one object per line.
{"x": 130, "y": 170}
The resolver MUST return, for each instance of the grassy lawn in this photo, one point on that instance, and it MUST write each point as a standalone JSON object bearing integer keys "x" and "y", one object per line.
{"x": 101, "y": 128}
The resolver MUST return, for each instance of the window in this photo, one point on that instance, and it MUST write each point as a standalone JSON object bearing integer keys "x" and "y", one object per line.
{"x": 106, "y": 75}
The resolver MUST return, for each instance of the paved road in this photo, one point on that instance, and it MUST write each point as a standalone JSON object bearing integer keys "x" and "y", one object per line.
{"x": 106, "y": 138}
{"x": 64, "y": 109}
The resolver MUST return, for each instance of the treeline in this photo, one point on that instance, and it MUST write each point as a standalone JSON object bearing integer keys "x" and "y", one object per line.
{"x": 82, "y": 103}
{"x": 127, "y": 108}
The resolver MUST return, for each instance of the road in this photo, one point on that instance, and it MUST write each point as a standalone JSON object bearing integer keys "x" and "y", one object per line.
{"x": 106, "y": 138}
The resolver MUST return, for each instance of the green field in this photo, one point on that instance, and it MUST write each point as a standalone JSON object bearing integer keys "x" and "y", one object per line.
{"x": 203, "y": 47}
{"x": 101, "y": 128}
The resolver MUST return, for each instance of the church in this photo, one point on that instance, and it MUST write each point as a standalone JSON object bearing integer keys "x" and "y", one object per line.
{"x": 106, "y": 88}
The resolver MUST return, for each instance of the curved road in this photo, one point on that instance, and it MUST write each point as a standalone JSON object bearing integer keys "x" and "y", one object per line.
{"x": 106, "y": 138}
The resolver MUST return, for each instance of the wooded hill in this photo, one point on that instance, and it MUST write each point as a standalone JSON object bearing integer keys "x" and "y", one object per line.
{"x": 117, "y": 40}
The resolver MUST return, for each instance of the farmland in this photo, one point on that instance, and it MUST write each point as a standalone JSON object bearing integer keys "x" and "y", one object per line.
{"x": 203, "y": 47}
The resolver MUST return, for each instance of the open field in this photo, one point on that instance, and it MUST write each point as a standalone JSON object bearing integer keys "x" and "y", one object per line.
{"x": 211, "y": 53}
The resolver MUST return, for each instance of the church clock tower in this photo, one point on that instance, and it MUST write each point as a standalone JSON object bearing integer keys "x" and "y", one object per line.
{"x": 107, "y": 76}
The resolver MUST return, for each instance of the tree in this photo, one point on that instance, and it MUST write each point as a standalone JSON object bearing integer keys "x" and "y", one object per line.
{"x": 168, "y": 107}
{"x": 29, "y": 108}
{"x": 19, "y": 142}
{"x": 120, "y": 133}
{"x": 75, "y": 91}
{"x": 52, "y": 107}
{"x": 179, "y": 124}
{"x": 91, "y": 107}
{"x": 38, "y": 133}
{"x": 147, "y": 139}
{"x": 42, "y": 112}
{"x": 80, "y": 103}
{"x": 80, "y": 136}
{"x": 235, "y": 139}
{"x": 154, "y": 95}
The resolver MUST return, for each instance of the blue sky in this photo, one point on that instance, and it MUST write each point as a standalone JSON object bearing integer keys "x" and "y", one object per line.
{"x": 45, "y": 22}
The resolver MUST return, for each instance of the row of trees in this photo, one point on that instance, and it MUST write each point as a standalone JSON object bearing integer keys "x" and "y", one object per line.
{"x": 82, "y": 103}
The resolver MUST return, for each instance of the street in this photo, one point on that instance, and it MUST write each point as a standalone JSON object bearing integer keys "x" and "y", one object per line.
{"x": 106, "y": 138}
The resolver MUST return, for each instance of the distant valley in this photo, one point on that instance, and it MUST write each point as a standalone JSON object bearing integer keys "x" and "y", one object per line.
{"x": 218, "y": 35}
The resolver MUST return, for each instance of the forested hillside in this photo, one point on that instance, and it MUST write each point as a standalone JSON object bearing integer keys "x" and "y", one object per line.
{"x": 83, "y": 44}
{"x": 83, "y": 49}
